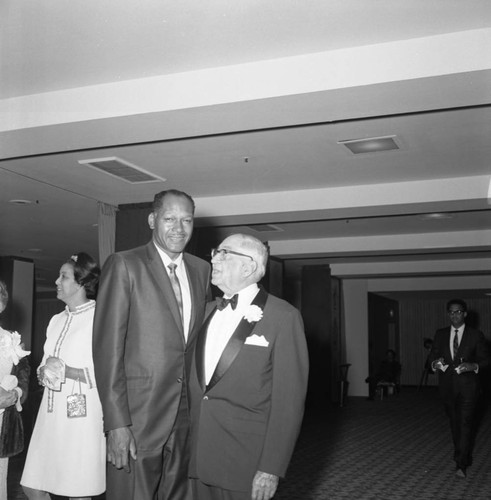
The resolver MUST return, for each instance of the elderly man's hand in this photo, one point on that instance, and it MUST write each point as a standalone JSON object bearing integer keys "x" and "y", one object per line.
{"x": 466, "y": 367}
{"x": 264, "y": 486}
{"x": 120, "y": 446}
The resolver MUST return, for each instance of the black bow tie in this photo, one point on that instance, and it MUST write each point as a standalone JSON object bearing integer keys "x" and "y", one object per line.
{"x": 222, "y": 303}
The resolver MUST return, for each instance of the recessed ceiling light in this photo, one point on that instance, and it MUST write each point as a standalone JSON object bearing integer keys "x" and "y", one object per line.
{"x": 35, "y": 250}
{"x": 371, "y": 144}
{"x": 20, "y": 202}
{"x": 436, "y": 216}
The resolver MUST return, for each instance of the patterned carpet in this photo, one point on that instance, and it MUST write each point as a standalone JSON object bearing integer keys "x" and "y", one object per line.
{"x": 398, "y": 448}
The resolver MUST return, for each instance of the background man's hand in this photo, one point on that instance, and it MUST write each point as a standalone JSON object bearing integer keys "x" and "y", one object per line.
{"x": 438, "y": 364}
{"x": 120, "y": 446}
{"x": 264, "y": 486}
{"x": 466, "y": 367}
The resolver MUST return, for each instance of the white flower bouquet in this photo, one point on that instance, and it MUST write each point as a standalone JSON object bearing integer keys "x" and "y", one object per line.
{"x": 11, "y": 346}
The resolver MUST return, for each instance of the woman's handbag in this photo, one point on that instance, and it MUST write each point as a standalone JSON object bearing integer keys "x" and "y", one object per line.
{"x": 12, "y": 433}
{"x": 76, "y": 405}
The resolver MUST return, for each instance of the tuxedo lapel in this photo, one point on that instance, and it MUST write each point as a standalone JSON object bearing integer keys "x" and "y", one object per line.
{"x": 162, "y": 279}
{"x": 236, "y": 342}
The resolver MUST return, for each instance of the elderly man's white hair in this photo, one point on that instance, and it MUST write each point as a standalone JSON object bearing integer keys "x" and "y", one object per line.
{"x": 256, "y": 249}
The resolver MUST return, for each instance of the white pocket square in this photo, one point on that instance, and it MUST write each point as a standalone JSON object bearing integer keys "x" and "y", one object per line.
{"x": 257, "y": 340}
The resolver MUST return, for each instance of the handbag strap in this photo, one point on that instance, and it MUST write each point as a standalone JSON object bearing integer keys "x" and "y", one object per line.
{"x": 79, "y": 386}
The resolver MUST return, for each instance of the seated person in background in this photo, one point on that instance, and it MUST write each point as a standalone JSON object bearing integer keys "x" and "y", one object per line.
{"x": 388, "y": 371}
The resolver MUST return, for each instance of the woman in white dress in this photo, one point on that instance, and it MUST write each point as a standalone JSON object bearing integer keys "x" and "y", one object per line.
{"x": 67, "y": 453}
{"x": 14, "y": 379}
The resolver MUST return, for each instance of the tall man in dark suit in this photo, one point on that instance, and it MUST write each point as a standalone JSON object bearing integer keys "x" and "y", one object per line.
{"x": 150, "y": 306}
{"x": 248, "y": 381}
{"x": 459, "y": 353}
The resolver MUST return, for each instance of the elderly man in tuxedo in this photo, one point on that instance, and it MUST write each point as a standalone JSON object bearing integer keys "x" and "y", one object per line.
{"x": 248, "y": 381}
{"x": 150, "y": 306}
{"x": 459, "y": 353}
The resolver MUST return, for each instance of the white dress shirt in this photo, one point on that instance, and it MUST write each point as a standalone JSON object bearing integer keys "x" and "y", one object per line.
{"x": 223, "y": 325}
{"x": 184, "y": 282}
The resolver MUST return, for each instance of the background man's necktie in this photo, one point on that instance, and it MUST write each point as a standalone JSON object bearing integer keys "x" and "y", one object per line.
{"x": 176, "y": 286}
{"x": 455, "y": 343}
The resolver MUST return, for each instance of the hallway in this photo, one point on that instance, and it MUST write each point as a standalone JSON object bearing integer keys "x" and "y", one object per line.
{"x": 398, "y": 448}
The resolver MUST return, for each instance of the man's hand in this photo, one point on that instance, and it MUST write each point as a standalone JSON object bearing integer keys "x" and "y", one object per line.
{"x": 466, "y": 367}
{"x": 264, "y": 486}
{"x": 120, "y": 445}
{"x": 438, "y": 364}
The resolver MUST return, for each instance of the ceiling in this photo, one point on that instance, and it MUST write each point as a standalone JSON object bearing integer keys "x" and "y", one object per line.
{"x": 245, "y": 106}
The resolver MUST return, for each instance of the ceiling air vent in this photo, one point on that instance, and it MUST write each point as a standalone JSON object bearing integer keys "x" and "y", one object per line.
{"x": 122, "y": 170}
{"x": 264, "y": 228}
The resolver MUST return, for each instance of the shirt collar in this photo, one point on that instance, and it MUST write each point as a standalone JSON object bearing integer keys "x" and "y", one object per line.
{"x": 166, "y": 259}
{"x": 247, "y": 294}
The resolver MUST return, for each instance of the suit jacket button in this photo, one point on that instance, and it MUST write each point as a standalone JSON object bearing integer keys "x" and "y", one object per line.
{"x": 206, "y": 398}
{"x": 179, "y": 380}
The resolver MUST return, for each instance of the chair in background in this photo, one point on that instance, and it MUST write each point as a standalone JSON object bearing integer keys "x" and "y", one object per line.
{"x": 343, "y": 383}
{"x": 387, "y": 389}
{"x": 387, "y": 379}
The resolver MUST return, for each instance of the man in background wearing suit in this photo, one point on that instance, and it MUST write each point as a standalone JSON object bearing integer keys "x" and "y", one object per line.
{"x": 459, "y": 353}
{"x": 150, "y": 306}
{"x": 248, "y": 381}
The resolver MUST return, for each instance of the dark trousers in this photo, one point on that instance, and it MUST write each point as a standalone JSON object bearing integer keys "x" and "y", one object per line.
{"x": 203, "y": 491}
{"x": 461, "y": 411}
{"x": 160, "y": 474}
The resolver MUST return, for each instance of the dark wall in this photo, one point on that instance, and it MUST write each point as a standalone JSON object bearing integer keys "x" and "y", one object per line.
{"x": 316, "y": 313}
{"x": 383, "y": 329}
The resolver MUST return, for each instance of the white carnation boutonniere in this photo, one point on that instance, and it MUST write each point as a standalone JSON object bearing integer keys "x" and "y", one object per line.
{"x": 253, "y": 314}
{"x": 11, "y": 346}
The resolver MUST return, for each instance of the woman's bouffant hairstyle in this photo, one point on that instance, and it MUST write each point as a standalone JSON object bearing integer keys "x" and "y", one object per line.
{"x": 86, "y": 272}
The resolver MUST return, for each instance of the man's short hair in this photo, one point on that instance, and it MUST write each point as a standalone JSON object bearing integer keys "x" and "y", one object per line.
{"x": 158, "y": 200}
{"x": 458, "y": 302}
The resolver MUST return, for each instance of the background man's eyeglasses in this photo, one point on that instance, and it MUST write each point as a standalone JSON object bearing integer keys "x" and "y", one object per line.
{"x": 451, "y": 313}
{"x": 222, "y": 252}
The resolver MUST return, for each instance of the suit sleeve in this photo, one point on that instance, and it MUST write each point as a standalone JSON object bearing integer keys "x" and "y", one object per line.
{"x": 483, "y": 356}
{"x": 110, "y": 330}
{"x": 290, "y": 374}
